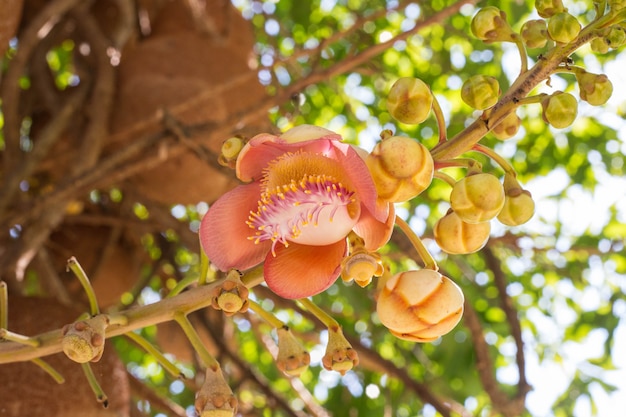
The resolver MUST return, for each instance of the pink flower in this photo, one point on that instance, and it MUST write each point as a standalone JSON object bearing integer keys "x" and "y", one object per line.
{"x": 307, "y": 191}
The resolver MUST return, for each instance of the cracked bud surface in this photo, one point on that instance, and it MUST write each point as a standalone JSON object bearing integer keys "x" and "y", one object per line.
{"x": 456, "y": 237}
{"x": 83, "y": 341}
{"x": 480, "y": 92}
{"x": 596, "y": 89}
{"x": 563, "y": 27}
{"x": 477, "y": 198}
{"x": 535, "y": 33}
{"x": 420, "y": 305}
{"x": 560, "y": 109}
{"x": 215, "y": 398}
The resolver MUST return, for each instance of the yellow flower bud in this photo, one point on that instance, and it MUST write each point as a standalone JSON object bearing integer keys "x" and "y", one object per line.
{"x": 519, "y": 206}
{"x": 599, "y": 45}
{"x": 535, "y": 33}
{"x": 490, "y": 25}
{"x": 596, "y": 89}
{"x": 230, "y": 151}
{"x": 616, "y": 37}
{"x": 409, "y": 100}
{"x": 563, "y": 27}
{"x": 457, "y": 237}
{"x": 420, "y": 305}
{"x": 548, "y": 8}
{"x": 292, "y": 359}
{"x": 401, "y": 168}
{"x": 508, "y": 127}
{"x": 480, "y": 92}
{"x": 560, "y": 109}
{"x": 477, "y": 198}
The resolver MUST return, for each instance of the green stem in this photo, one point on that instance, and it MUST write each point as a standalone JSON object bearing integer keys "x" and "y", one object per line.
{"x": 323, "y": 316}
{"x": 517, "y": 39}
{"x": 47, "y": 368}
{"x": 101, "y": 397}
{"x": 75, "y": 267}
{"x": 204, "y": 267}
{"x": 194, "y": 338}
{"x": 506, "y": 166}
{"x": 182, "y": 284}
{"x": 268, "y": 317}
{"x": 427, "y": 258}
{"x": 253, "y": 277}
{"x": 444, "y": 177}
{"x": 151, "y": 349}
{"x": 4, "y": 305}
{"x": 18, "y": 338}
{"x": 441, "y": 121}
{"x": 469, "y": 163}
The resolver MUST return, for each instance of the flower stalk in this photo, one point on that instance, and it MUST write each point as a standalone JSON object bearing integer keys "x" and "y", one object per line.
{"x": 4, "y": 305}
{"x": 101, "y": 397}
{"x": 206, "y": 358}
{"x": 47, "y": 368}
{"x": 160, "y": 358}
{"x": 427, "y": 258}
{"x": 74, "y": 266}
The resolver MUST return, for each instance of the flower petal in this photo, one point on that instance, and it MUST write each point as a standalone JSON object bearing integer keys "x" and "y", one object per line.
{"x": 361, "y": 178}
{"x": 373, "y": 232}
{"x": 224, "y": 232}
{"x": 300, "y": 271}
{"x": 302, "y": 133}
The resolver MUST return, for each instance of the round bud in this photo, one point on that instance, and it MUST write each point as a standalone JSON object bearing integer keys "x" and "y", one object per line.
{"x": 548, "y": 8}
{"x": 596, "y": 89}
{"x": 457, "y": 237}
{"x": 420, "y": 305}
{"x": 535, "y": 33}
{"x": 563, "y": 27}
{"x": 560, "y": 109}
{"x": 617, "y": 4}
{"x": 490, "y": 25}
{"x": 477, "y": 198}
{"x": 508, "y": 127}
{"x": 401, "y": 168}
{"x": 599, "y": 45}
{"x": 518, "y": 208}
{"x": 480, "y": 91}
{"x": 409, "y": 100}
{"x": 616, "y": 37}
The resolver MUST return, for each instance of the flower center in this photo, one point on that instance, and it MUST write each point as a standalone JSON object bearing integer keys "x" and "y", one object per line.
{"x": 317, "y": 210}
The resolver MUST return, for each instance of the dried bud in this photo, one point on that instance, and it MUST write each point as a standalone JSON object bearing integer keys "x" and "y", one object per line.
{"x": 508, "y": 127}
{"x": 548, "y": 8}
{"x": 292, "y": 359}
{"x": 420, "y": 305}
{"x": 560, "y": 109}
{"x": 361, "y": 266}
{"x": 409, "y": 100}
{"x": 83, "y": 341}
{"x": 230, "y": 151}
{"x": 340, "y": 356}
{"x": 480, "y": 92}
{"x": 563, "y": 27}
{"x": 401, "y": 168}
{"x": 519, "y": 206}
{"x": 596, "y": 89}
{"x": 232, "y": 296}
{"x": 215, "y": 398}
{"x": 490, "y": 25}
{"x": 457, "y": 237}
{"x": 477, "y": 198}
{"x": 535, "y": 33}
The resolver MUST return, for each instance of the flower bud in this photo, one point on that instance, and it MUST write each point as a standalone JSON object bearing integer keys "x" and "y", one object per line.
{"x": 420, "y": 305}
{"x": 548, "y": 8}
{"x": 535, "y": 33}
{"x": 599, "y": 45}
{"x": 83, "y": 341}
{"x": 340, "y": 356}
{"x": 232, "y": 296}
{"x": 477, "y": 198}
{"x": 292, "y": 359}
{"x": 215, "y": 398}
{"x": 617, "y": 4}
{"x": 361, "y": 266}
{"x": 596, "y": 89}
{"x": 508, "y": 127}
{"x": 401, "y": 168}
{"x": 563, "y": 27}
{"x": 409, "y": 100}
{"x": 519, "y": 206}
{"x": 560, "y": 109}
{"x": 616, "y": 37}
{"x": 456, "y": 237}
{"x": 490, "y": 25}
{"x": 230, "y": 151}
{"x": 480, "y": 92}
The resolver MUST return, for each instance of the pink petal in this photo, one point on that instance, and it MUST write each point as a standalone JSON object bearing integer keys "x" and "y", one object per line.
{"x": 373, "y": 232}
{"x": 361, "y": 178}
{"x": 224, "y": 232}
{"x": 300, "y": 271}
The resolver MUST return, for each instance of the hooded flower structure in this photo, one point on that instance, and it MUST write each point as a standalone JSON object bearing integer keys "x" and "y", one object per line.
{"x": 306, "y": 191}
